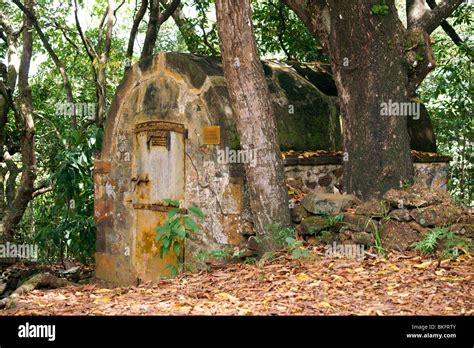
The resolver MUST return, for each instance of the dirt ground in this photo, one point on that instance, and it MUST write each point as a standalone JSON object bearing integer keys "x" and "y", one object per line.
{"x": 399, "y": 284}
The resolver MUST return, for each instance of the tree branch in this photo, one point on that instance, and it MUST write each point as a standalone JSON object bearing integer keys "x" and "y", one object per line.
{"x": 169, "y": 11}
{"x": 110, "y": 25}
{"x": 25, "y": 121}
{"x": 421, "y": 18}
{"x": 59, "y": 64}
{"x": 450, "y": 31}
{"x": 87, "y": 45}
{"x": 186, "y": 29}
{"x": 2, "y": 36}
{"x": 42, "y": 190}
{"x": 152, "y": 29}
{"x": 133, "y": 32}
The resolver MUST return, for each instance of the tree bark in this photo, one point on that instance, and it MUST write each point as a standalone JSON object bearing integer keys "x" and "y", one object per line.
{"x": 133, "y": 32}
{"x": 254, "y": 117}
{"x": 366, "y": 53}
{"x": 24, "y": 120}
{"x": 99, "y": 60}
{"x": 368, "y": 49}
{"x": 372, "y": 66}
{"x": 152, "y": 29}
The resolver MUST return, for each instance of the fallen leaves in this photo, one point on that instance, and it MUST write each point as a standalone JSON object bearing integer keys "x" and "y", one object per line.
{"x": 399, "y": 284}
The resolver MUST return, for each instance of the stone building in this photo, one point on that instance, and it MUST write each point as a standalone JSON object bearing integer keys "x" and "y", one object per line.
{"x": 161, "y": 141}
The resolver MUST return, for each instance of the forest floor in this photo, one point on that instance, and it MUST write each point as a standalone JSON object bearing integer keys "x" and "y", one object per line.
{"x": 399, "y": 284}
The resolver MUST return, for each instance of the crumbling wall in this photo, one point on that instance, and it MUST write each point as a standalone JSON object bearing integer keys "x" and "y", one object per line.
{"x": 177, "y": 96}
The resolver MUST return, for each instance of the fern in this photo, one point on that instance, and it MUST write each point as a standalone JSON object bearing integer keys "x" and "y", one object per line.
{"x": 428, "y": 244}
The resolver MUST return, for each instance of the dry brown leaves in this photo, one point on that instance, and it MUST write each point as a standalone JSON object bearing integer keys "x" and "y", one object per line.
{"x": 401, "y": 284}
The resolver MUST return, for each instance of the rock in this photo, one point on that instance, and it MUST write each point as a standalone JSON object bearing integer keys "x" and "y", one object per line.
{"x": 373, "y": 209}
{"x": 312, "y": 240}
{"x": 436, "y": 215}
{"x": 467, "y": 218}
{"x": 327, "y": 203}
{"x": 359, "y": 223}
{"x": 402, "y": 215}
{"x": 401, "y": 235}
{"x": 298, "y": 213}
{"x": 466, "y": 230}
{"x": 312, "y": 225}
{"x": 345, "y": 235}
{"x": 252, "y": 247}
{"x": 247, "y": 229}
{"x": 364, "y": 238}
{"x": 416, "y": 196}
{"x": 327, "y": 237}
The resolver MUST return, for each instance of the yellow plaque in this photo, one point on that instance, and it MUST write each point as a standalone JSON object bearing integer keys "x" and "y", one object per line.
{"x": 212, "y": 135}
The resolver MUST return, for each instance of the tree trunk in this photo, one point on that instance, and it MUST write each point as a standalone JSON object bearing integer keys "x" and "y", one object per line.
{"x": 367, "y": 57}
{"x": 154, "y": 23}
{"x": 255, "y": 121}
{"x": 375, "y": 62}
{"x": 24, "y": 120}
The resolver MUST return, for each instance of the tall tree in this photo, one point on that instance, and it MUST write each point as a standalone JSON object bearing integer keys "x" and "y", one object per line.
{"x": 54, "y": 57}
{"x": 254, "y": 117}
{"x": 99, "y": 57}
{"x": 375, "y": 60}
{"x": 22, "y": 107}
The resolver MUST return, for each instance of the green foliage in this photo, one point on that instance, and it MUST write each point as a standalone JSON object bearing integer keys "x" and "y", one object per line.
{"x": 175, "y": 230}
{"x": 295, "y": 247}
{"x": 378, "y": 238}
{"x": 453, "y": 245}
{"x": 64, "y": 218}
{"x": 286, "y": 237}
{"x": 333, "y": 220}
{"x": 279, "y": 32}
{"x": 380, "y": 9}
{"x": 448, "y": 93}
{"x": 428, "y": 244}
{"x": 280, "y": 234}
{"x": 227, "y": 253}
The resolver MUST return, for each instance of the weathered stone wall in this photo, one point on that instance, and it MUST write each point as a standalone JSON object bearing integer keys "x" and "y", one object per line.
{"x": 154, "y": 149}
{"x": 326, "y": 177}
{"x": 158, "y": 96}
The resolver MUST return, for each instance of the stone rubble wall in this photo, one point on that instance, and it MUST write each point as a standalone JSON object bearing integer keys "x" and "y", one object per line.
{"x": 326, "y": 177}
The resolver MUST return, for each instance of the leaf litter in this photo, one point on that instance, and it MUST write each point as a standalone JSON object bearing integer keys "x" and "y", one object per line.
{"x": 398, "y": 284}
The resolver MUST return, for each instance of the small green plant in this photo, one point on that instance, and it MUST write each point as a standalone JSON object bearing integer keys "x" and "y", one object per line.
{"x": 429, "y": 244}
{"x": 406, "y": 184}
{"x": 378, "y": 238}
{"x": 175, "y": 230}
{"x": 285, "y": 237}
{"x": 295, "y": 247}
{"x": 332, "y": 221}
{"x": 279, "y": 233}
{"x": 227, "y": 253}
{"x": 380, "y": 9}
{"x": 455, "y": 246}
